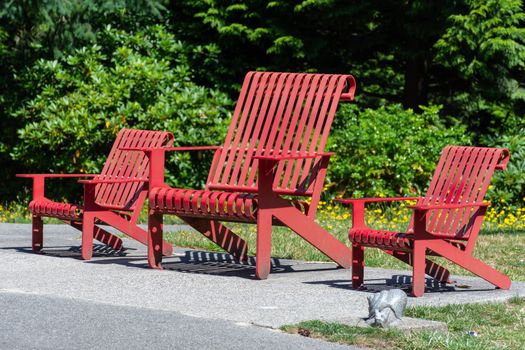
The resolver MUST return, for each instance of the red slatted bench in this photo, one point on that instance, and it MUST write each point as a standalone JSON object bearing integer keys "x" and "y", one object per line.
{"x": 272, "y": 159}
{"x": 114, "y": 197}
{"x": 446, "y": 221}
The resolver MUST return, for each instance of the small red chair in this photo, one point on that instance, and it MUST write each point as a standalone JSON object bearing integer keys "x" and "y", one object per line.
{"x": 114, "y": 197}
{"x": 446, "y": 221}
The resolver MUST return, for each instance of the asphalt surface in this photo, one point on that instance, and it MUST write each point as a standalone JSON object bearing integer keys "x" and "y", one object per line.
{"x": 30, "y": 321}
{"x": 200, "y": 299}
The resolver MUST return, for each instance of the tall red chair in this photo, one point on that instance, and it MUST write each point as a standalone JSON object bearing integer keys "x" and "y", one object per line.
{"x": 114, "y": 197}
{"x": 446, "y": 221}
{"x": 272, "y": 157}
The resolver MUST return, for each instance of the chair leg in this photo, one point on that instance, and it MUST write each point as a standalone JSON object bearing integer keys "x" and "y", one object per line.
{"x": 432, "y": 269}
{"x": 88, "y": 226}
{"x": 107, "y": 238}
{"x": 418, "y": 274}
{"x": 358, "y": 265}
{"x": 155, "y": 239}
{"x": 220, "y": 235}
{"x": 264, "y": 244}
{"x": 468, "y": 262}
{"x": 101, "y": 235}
{"x": 38, "y": 233}
{"x": 488, "y": 273}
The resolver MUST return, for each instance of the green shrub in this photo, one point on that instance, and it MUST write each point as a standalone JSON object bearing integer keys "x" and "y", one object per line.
{"x": 508, "y": 187}
{"x": 138, "y": 80}
{"x": 388, "y": 151}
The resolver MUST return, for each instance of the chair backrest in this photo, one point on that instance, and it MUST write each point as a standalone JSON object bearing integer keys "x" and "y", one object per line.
{"x": 128, "y": 165}
{"x": 279, "y": 113}
{"x": 462, "y": 176}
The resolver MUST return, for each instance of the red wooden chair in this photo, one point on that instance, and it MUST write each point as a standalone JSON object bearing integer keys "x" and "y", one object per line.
{"x": 274, "y": 148}
{"x": 446, "y": 222}
{"x": 113, "y": 197}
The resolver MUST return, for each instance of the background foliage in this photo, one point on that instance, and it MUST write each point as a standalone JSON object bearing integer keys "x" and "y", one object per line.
{"x": 388, "y": 151}
{"x": 429, "y": 73}
{"x": 125, "y": 80}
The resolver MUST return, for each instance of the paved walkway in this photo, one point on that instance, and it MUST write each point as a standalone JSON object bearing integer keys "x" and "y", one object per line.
{"x": 194, "y": 285}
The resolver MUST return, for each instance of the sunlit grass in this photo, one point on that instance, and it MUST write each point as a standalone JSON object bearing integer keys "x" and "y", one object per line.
{"x": 500, "y": 247}
{"x": 496, "y": 325}
{"x": 14, "y": 212}
{"x": 501, "y": 243}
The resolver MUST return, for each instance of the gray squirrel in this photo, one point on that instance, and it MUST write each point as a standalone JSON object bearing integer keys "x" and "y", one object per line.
{"x": 386, "y": 307}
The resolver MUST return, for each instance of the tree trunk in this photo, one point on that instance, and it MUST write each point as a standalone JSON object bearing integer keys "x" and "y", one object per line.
{"x": 415, "y": 92}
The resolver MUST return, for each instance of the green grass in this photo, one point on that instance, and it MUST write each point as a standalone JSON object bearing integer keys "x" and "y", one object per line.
{"x": 498, "y": 325}
{"x": 502, "y": 249}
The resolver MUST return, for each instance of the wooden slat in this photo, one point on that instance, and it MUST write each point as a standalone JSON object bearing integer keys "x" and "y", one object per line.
{"x": 116, "y": 194}
{"x": 125, "y": 161}
{"x": 255, "y": 115}
{"x": 454, "y": 173}
{"x": 278, "y": 113}
{"x": 272, "y": 126}
{"x": 252, "y": 135}
{"x": 282, "y": 133}
{"x": 462, "y": 175}
{"x": 232, "y": 142}
{"x": 126, "y": 164}
{"x": 460, "y": 221}
{"x": 317, "y": 117}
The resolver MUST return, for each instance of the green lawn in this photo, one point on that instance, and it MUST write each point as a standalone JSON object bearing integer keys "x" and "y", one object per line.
{"x": 498, "y": 326}
{"x": 504, "y": 249}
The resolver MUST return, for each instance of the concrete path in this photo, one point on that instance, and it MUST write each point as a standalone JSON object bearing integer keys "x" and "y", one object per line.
{"x": 194, "y": 285}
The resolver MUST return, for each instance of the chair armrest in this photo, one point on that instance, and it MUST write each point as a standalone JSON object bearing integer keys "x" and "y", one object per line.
{"x": 375, "y": 200}
{"x": 268, "y": 162}
{"x": 111, "y": 181}
{"x": 39, "y": 181}
{"x": 175, "y": 149}
{"x": 358, "y": 207}
{"x": 427, "y": 207}
{"x": 31, "y": 176}
{"x": 156, "y": 157}
{"x": 421, "y": 217}
{"x": 290, "y": 156}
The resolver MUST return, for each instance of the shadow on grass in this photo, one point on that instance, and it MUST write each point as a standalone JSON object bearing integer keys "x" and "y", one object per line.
{"x": 495, "y": 231}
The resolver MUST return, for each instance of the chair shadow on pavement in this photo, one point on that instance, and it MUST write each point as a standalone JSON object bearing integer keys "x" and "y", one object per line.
{"x": 188, "y": 261}
{"x": 99, "y": 251}
{"x": 213, "y": 263}
{"x": 403, "y": 282}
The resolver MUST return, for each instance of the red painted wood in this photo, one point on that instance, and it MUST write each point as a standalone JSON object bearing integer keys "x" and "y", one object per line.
{"x": 121, "y": 186}
{"x": 451, "y": 212}
{"x": 123, "y": 164}
{"x": 278, "y": 113}
{"x": 282, "y": 119}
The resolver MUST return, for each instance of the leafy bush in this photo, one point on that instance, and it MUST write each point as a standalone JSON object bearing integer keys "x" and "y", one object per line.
{"x": 139, "y": 80}
{"x": 508, "y": 187}
{"x": 388, "y": 151}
